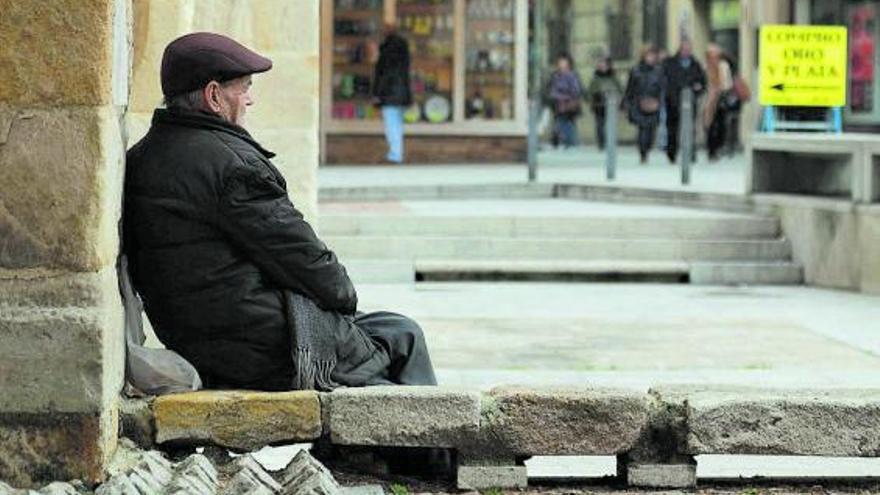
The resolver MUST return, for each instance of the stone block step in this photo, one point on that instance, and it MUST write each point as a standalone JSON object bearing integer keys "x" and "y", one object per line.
{"x": 237, "y": 420}
{"x": 696, "y": 227}
{"x": 495, "y": 428}
{"x": 410, "y": 248}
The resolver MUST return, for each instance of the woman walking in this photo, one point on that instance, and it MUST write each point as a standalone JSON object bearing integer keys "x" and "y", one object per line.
{"x": 604, "y": 82}
{"x": 643, "y": 97}
{"x": 721, "y": 100}
{"x": 565, "y": 93}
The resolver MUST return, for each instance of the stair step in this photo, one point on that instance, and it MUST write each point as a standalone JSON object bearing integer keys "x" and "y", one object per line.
{"x": 783, "y": 273}
{"x": 556, "y": 270}
{"x": 702, "y": 273}
{"x": 380, "y": 271}
{"x": 409, "y": 248}
{"x": 551, "y": 227}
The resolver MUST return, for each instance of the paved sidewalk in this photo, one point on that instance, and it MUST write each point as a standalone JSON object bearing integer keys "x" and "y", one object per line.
{"x": 584, "y": 165}
{"x": 637, "y": 335}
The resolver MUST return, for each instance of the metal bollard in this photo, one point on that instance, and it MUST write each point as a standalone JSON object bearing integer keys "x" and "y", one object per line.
{"x": 532, "y": 143}
{"x": 611, "y": 135}
{"x": 686, "y": 134}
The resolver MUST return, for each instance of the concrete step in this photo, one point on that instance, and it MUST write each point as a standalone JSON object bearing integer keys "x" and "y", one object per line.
{"x": 558, "y": 270}
{"x": 702, "y": 273}
{"x": 782, "y": 273}
{"x": 733, "y": 227}
{"x": 410, "y": 248}
{"x": 380, "y": 271}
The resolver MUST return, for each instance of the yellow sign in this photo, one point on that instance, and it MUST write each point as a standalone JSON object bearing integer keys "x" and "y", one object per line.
{"x": 803, "y": 66}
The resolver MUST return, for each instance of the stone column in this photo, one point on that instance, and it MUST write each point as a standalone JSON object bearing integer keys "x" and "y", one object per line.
{"x": 63, "y": 95}
{"x": 285, "y": 116}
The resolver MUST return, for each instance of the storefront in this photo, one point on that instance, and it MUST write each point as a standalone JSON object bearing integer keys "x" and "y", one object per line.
{"x": 863, "y": 20}
{"x": 468, "y": 77}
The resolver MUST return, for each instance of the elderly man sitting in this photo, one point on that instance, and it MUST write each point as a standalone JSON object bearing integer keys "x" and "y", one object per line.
{"x": 231, "y": 275}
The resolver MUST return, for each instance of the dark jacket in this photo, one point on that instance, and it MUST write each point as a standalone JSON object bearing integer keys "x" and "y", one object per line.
{"x": 681, "y": 75}
{"x": 213, "y": 240}
{"x": 645, "y": 81}
{"x": 603, "y": 82}
{"x": 391, "y": 74}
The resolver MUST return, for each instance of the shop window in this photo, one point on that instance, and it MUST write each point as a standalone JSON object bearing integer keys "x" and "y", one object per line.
{"x": 464, "y": 63}
{"x": 862, "y": 18}
{"x": 490, "y": 57}
{"x": 429, "y": 26}
{"x": 357, "y": 29}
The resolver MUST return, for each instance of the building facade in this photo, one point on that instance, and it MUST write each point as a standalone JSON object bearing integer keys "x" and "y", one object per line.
{"x": 621, "y": 27}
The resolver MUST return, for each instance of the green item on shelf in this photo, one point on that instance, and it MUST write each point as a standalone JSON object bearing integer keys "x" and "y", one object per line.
{"x": 413, "y": 114}
{"x": 347, "y": 87}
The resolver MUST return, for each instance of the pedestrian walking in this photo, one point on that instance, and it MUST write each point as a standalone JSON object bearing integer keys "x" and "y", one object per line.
{"x": 565, "y": 92}
{"x": 603, "y": 83}
{"x": 391, "y": 89}
{"x": 642, "y": 99}
{"x": 680, "y": 71}
{"x": 721, "y": 100}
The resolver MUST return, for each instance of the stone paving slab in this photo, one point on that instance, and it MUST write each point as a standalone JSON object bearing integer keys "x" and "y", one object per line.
{"x": 746, "y": 420}
{"x": 402, "y": 416}
{"x": 566, "y": 421}
{"x": 237, "y": 420}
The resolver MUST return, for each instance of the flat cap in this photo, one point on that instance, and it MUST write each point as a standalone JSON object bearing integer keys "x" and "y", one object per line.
{"x": 193, "y": 60}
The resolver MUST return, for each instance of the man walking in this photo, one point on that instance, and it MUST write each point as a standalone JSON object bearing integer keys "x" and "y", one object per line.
{"x": 231, "y": 276}
{"x": 680, "y": 71}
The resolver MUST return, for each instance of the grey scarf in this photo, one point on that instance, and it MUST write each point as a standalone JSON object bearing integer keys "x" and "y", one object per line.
{"x": 313, "y": 344}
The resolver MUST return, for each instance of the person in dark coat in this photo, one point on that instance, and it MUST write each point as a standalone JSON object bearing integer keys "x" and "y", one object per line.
{"x": 565, "y": 92}
{"x": 391, "y": 89}
{"x": 642, "y": 99}
{"x": 681, "y": 71}
{"x": 604, "y": 82}
{"x": 231, "y": 276}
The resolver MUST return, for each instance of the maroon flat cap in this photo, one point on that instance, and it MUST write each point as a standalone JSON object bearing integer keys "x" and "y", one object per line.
{"x": 193, "y": 60}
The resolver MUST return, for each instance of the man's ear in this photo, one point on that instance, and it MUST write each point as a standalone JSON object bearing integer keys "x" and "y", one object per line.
{"x": 211, "y": 95}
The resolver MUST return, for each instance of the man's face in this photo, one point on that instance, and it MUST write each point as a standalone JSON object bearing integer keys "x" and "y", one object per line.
{"x": 235, "y": 97}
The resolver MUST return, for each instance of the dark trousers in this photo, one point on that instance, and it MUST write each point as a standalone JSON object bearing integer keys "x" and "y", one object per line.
{"x": 566, "y": 128}
{"x": 402, "y": 340}
{"x": 646, "y": 138}
{"x": 600, "y": 128}
{"x": 716, "y": 135}
{"x": 673, "y": 127}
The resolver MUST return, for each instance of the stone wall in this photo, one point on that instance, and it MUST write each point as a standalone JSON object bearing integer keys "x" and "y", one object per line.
{"x": 835, "y": 241}
{"x": 63, "y": 97}
{"x": 285, "y": 116}
{"x": 366, "y": 149}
